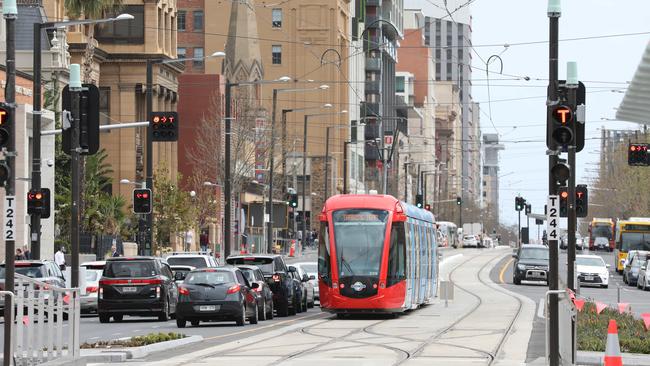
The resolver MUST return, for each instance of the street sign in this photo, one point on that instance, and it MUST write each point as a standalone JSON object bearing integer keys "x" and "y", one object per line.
{"x": 10, "y": 214}
{"x": 553, "y": 217}
{"x": 388, "y": 140}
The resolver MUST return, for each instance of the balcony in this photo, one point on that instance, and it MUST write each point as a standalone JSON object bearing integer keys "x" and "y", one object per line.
{"x": 373, "y": 64}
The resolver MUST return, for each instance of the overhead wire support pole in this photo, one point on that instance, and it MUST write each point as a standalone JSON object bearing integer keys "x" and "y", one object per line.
{"x": 149, "y": 166}
{"x": 35, "y": 218}
{"x": 553, "y": 337}
{"x": 75, "y": 153}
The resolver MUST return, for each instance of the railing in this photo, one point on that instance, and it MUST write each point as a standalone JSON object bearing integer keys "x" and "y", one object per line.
{"x": 47, "y": 322}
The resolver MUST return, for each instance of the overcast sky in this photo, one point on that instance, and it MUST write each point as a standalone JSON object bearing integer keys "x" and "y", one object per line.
{"x": 604, "y": 64}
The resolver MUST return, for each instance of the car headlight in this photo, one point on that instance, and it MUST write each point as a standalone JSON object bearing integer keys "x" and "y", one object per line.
{"x": 521, "y": 267}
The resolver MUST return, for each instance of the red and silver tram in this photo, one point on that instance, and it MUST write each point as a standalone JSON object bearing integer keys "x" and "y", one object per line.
{"x": 376, "y": 255}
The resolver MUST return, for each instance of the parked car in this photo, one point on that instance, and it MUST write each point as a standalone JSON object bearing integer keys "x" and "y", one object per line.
{"x": 263, "y": 292}
{"x": 592, "y": 270}
{"x": 216, "y": 294}
{"x": 300, "y": 289}
{"x": 470, "y": 241}
{"x": 39, "y": 270}
{"x": 194, "y": 259}
{"x": 139, "y": 286}
{"x": 94, "y": 272}
{"x": 531, "y": 264}
{"x": 644, "y": 276}
{"x": 633, "y": 265}
{"x": 308, "y": 285}
{"x": 180, "y": 271}
{"x": 311, "y": 268}
{"x": 277, "y": 276}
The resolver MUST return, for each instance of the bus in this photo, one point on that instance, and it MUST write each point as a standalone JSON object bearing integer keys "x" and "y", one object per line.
{"x": 599, "y": 227}
{"x": 375, "y": 255}
{"x": 449, "y": 232}
{"x": 630, "y": 235}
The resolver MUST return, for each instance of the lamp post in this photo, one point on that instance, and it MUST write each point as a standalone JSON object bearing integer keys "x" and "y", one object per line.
{"x": 269, "y": 233}
{"x": 137, "y": 184}
{"x": 304, "y": 164}
{"x": 149, "y": 147}
{"x": 35, "y": 218}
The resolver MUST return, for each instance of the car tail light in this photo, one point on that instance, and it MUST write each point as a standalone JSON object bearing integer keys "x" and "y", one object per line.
{"x": 276, "y": 278}
{"x": 183, "y": 291}
{"x": 259, "y": 289}
{"x": 233, "y": 289}
{"x": 153, "y": 281}
{"x": 158, "y": 292}
{"x": 91, "y": 289}
{"x": 101, "y": 293}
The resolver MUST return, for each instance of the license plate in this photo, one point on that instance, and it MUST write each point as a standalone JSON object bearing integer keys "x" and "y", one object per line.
{"x": 589, "y": 278}
{"x": 208, "y": 308}
{"x": 130, "y": 289}
{"x": 537, "y": 274}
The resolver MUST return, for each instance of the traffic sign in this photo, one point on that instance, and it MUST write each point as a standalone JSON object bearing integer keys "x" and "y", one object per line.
{"x": 553, "y": 217}
{"x": 388, "y": 140}
{"x": 9, "y": 216}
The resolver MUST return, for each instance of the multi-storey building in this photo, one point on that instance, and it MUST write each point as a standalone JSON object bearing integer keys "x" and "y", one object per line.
{"x": 491, "y": 148}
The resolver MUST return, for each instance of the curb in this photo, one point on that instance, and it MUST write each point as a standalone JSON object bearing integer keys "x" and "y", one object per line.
{"x": 596, "y": 358}
{"x": 121, "y": 355}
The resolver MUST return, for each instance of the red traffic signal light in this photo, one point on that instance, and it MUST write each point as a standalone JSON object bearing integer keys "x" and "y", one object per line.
{"x": 38, "y": 202}
{"x": 142, "y": 201}
{"x": 637, "y": 155}
{"x": 164, "y": 126}
{"x": 427, "y": 207}
{"x": 5, "y": 124}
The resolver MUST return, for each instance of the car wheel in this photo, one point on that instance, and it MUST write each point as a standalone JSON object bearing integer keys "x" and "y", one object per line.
{"x": 312, "y": 303}
{"x": 298, "y": 306}
{"x": 292, "y": 308}
{"x": 241, "y": 319}
{"x": 180, "y": 322}
{"x": 605, "y": 286}
{"x": 516, "y": 281}
{"x": 262, "y": 313}
{"x": 306, "y": 305}
{"x": 269, "y": 316}
{"x": 118, "y": 318}
{"x": 104, "y": 318}
{"x": 254, "y": 319}
{"x": 645, "y": 285}
{"x": 164, "y": 316}
{"x": 195, "y": 323}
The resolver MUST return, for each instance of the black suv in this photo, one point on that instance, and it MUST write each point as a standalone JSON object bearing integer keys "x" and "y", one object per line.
{"x": 531, "y": 264}
{"x": 141, "y": 286}
{"x": 277, "y": 275}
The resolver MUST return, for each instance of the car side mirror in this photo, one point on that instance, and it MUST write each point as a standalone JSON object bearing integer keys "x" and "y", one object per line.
{"x": 312, "y": 277}
{"x": 608, "y": 265}
{"x": 180, "y": 276}
{"x": 255, "y": 285}
{"x": 305, "y": 278}
{"x": 515, "y": 256}
{"x": 292, "y": 269}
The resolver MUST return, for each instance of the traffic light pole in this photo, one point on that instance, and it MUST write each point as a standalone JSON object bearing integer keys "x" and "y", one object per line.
{"x": 10, "y": 14}
{"x": 227, "y": 230}
{"x": 149, "y": 179}
{"x": 35, "y": 219}
{"x": 571, "y": 214}
{"x": 269, "y": 231}
{"x": 75, "y": 154}
{"x": 553, "y": 336}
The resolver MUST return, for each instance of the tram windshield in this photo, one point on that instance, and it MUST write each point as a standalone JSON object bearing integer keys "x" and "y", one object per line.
{"x": 359, "y": 236}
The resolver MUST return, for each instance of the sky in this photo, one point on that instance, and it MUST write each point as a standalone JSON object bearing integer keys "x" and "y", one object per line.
{"x": 518, "y": 112}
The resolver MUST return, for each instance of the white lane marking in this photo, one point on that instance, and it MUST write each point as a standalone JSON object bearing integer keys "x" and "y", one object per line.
{"x": 540, "y": 308}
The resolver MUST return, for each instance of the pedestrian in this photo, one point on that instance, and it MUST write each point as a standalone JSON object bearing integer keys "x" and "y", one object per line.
{"x": 189, "y": 238}
{"x": 59, "y": 258}
{"x": 204, "y": 240}
{"x": 114, "y": 252}
{"x": 19, "y": 255}
{"x": 26, "y": 252}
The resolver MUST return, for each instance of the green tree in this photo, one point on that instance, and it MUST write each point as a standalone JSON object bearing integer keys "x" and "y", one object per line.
{"x": 172, "y": 209}
{"x": 90, "y": 9}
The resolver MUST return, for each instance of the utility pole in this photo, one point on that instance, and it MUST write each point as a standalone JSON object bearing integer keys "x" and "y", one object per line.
{"x": 269, "y": 230}
{"x": 10, "y": 11}
{"x": 227, "y": 233}
{"x": 35, "y": 218}
{"x": 554, "y": 12}
{"x": 75, "y": 153}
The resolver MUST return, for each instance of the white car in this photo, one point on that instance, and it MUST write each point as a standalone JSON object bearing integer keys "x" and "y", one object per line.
{"x": 94, "y": 272}
{"x": 592, "y": 270}
{"x": 311, "y": 268}
{"x": 470, "y": 241}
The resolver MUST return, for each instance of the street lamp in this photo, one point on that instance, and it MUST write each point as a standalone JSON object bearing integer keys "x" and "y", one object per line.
{"x": 149, "y": 167}
{"x": 269, "y": 233}
{"x": 35, "y": 219}
{"x": 138, "y": 184}
{"x": 304, "y": 163}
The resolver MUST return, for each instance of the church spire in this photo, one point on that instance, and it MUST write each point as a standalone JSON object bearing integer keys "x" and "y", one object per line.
{"x": 243, "y": 60}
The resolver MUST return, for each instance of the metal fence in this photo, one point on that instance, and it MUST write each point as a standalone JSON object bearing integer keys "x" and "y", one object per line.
{"x": 47, "y": 322}
{"x": 567, "y": 318}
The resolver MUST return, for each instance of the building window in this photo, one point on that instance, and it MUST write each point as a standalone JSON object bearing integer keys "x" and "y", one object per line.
{"x": 104, "y": 105}
{"x": 399, "y": 84}
{"x": 198, "y": 55}
{"x": 181, "y": 52}
{"x": 180, "y": 20}
{"x": 277, "y": 18}
{"x": 198, "y": 20}
{"x": 124, "y": 32}
{"x": 276, "y": 52}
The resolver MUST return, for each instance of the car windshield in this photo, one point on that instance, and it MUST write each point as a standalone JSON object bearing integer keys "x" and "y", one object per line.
{"x": 130, "y": 268}
{"x": 309, "y": 267}
{"x": 196, "y": 262}
{"x": 601, "y": 230}
{"x": 31, "y": 270}
{"x": 211, "y": 278}
{"x": 534, "y": 253}
{"x": 359, "y": 237}
{"x": 590, "y": 261}
{"x": 635, "y": 241}
{"x": 264, "y": 263}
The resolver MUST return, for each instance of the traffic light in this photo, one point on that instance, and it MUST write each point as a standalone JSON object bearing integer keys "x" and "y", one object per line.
{"x": 582, "y": 200}
{"x": 427, "y": 207}
{"x": 419, "y": 200}
{"x": 529, "y": 209}
{"x": 459, "y": 201}
{"x": 519, "y": 203}
{"x": 293, "y": 200}
{"x": 563, "y": 127}
{"x": 88, "y": 120}
{"x": 563, "y": 192}
{"x": 38, "y": 202}
{"x": 5, "y": 125}
{"x": 142, "y": 201}
{"x": 637, "y": 155}
{"x": 164, "y": 126}
{"x": 562, "y": 119}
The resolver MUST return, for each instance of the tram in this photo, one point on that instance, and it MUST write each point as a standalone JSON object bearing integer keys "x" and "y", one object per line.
{"x": 376, "y": 255}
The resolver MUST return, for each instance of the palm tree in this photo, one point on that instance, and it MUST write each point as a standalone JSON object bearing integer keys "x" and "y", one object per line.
{"x": 89, "y": 9}
{"x": 111, "y": 210}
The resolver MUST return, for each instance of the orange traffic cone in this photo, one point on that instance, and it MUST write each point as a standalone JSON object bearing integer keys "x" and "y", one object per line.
{"x": 613, "y": 349}
{"x": 292, "y": 251}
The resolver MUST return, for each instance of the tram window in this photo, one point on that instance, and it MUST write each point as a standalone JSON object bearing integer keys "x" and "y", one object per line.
{"x": 397, "y": 256}
{"x": 324, "y": 266}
